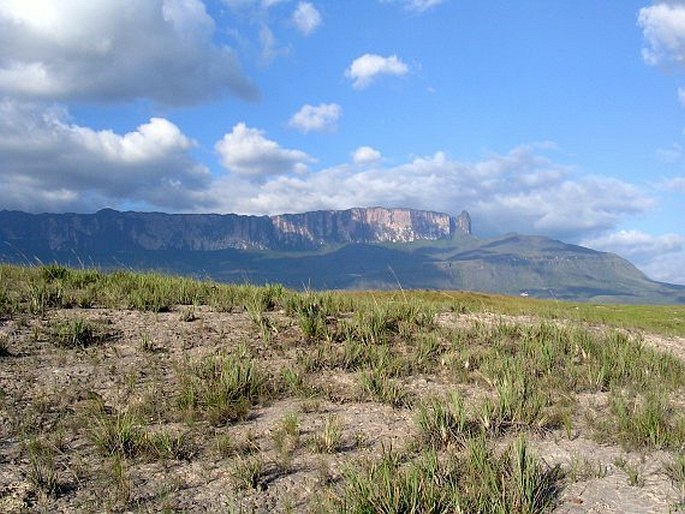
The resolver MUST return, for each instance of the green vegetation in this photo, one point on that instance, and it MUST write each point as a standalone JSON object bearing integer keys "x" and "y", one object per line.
{"x": 385, "y": 401}
{"x": 477, "y": 480}
{"x": 221, "y": 389}
{"x": 34, "y": 289}
{"x": 42, "y": 472}
{"x": 77, "y": 333}
{"x": 329, "y": 437}
{"x": 675, "y": 470}
{"x": 442, "y": 422}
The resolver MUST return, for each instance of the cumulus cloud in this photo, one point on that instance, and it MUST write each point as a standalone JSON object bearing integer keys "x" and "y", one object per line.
{"x": 663, "y": 28}
{"x": 51, "y": 164}
{"x": 365, "y": 155}
{"x": 366, "y": 68}
{"x": 247, "y": 153}
{"x": 661, "y": 257}
{"x": 519, "y": 191}
{"x": 666, "y": 268}
{"x": 109, "y": 51}
{"x": 306, "y": 18}
{"x": 636, "y": 244}
{"x": 320, "y": 118}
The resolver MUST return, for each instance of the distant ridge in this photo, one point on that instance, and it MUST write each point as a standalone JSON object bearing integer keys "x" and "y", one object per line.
{"x": 361, "y": 248}
{"x": 113, "y": 230}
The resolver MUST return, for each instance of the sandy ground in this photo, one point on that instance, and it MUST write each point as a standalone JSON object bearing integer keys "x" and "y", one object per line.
{"x": 46, "y": 392}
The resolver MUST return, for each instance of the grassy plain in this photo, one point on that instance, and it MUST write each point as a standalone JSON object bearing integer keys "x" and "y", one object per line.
{"x": 145, "y": 392}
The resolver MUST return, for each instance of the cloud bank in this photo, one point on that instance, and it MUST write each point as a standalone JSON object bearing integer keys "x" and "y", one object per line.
{"x": 519, "y": 191}
{"x": 50, "y": 164}
{"x": 637, "y": 244}
{"x": 112, "y": 51}
{"x": 661, "y": 257}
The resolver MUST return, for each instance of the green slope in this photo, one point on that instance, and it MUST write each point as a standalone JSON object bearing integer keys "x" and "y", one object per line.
{"x": 512, "y": 264}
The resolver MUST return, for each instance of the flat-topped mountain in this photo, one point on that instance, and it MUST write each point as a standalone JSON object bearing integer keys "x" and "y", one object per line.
{"x": 372, "y": 248}
{"x": 109, "y": 230}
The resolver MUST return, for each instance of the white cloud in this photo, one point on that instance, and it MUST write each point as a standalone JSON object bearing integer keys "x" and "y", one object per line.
{"x": 670, "y": 155}
{"x": 366, "y": 68}
{"x": 666, "y": 268}
{"x": 417, "y": 6}
{"x": 306, "y": 18}
{"x": 365, "y": 155}
{"x": 254, "y": 33}
{"x": 422, "y": 5}
{"x": 322, "y": 117}
{"x": 270, "y": 48}
{"x": 51, "y": 164}
{"x": 247, "y": 153}
{"x": 252, "y": 4}
{"x": 681, "y": 95}
{"x": 520, "y": 191}
{"x": 661, "y": 257}
{"x": 676, "y": 184}
{"x": 636, "y": 244}
{"x": 109, "y": 51}
{"x": 663, "y": 27}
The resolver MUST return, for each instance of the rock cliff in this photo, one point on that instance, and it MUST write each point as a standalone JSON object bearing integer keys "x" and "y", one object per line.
{"x": 109, "y": 230}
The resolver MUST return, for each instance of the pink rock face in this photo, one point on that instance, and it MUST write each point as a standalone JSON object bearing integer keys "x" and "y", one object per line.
{"x": 368, "y": 225}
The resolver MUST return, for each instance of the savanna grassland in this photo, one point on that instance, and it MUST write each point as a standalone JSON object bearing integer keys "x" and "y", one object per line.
{"x": 125, "y": 392}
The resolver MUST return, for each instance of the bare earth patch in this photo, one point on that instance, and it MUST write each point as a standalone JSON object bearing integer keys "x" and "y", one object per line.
{"x": 288, "y": 453}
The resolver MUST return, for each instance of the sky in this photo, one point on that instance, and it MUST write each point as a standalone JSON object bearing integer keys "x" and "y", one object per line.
{"x": 563, "y": 119}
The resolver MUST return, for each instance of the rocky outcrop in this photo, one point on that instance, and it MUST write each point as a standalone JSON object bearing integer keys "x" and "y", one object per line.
{"x": 109, "y": 230}
{"x": 463, "y": 223}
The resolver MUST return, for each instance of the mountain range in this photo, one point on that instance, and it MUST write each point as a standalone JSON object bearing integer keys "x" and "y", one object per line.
{"x": 361, "y": 248}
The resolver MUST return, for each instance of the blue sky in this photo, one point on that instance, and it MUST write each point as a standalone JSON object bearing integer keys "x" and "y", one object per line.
{"x": 542, "y": 117}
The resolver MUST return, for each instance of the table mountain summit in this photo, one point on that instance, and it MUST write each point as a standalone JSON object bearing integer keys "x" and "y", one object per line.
{"x": 361, "y": 248}
{"x": 112, "y": 230}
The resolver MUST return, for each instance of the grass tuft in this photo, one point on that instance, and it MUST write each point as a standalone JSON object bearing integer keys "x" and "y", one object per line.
{"x": 77, "y": 333}
{"x": 642, "y": 422}
{"x": 329, "y": 437}
{"x": 442, "y": 423}
{"x": 5, "y": 346}
{"x": 377, "y": 386}
{"x": 42, "y": 471}
{"x": 221, "y": 389}
{"x": 476, "y": 481}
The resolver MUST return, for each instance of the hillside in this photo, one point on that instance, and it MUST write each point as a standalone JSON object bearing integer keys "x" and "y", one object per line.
{"x": 354, "y": 249}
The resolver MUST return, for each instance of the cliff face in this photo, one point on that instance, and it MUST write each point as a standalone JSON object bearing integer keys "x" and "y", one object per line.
{"x": 374, "y": 225}
{"x": 109, "y": 230}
